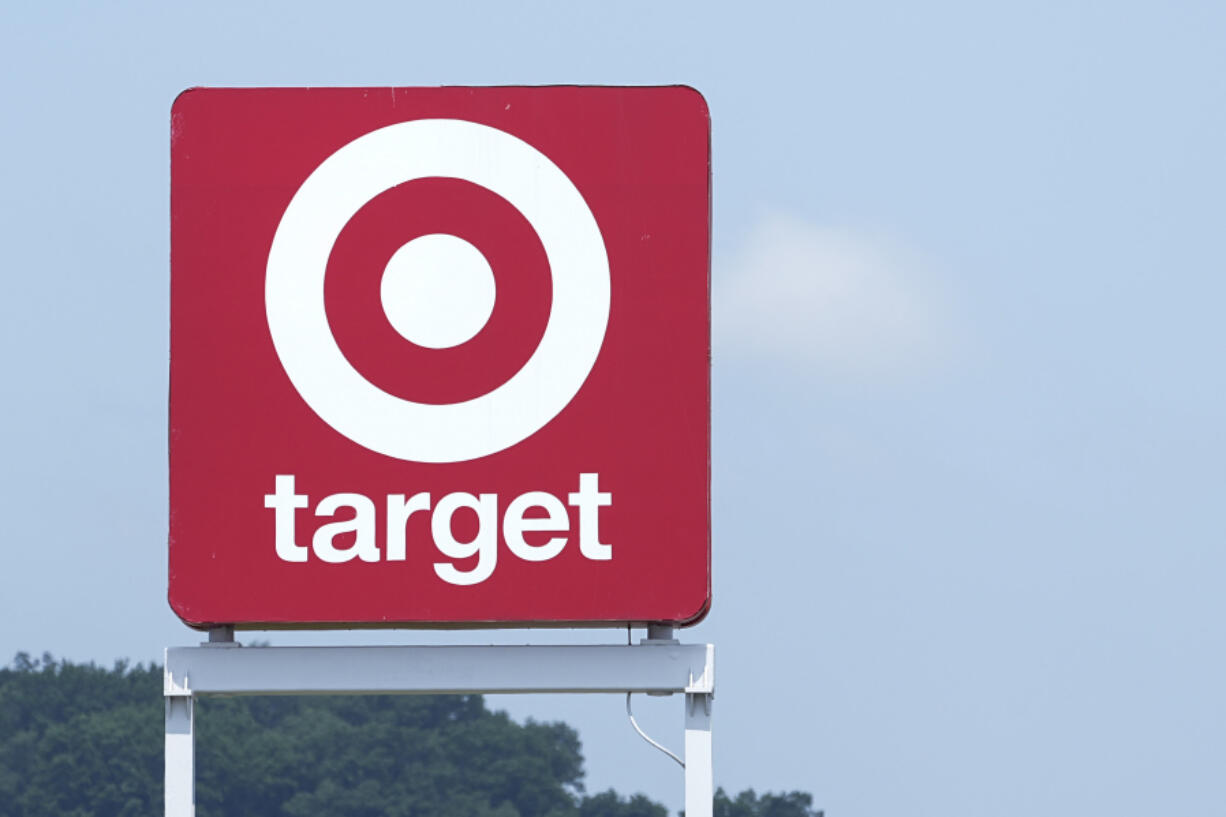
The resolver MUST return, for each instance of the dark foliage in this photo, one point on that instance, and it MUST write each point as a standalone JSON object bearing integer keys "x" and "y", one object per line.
{"x": 748, "y": 804}
{"x": 609, "y": 804}
{"x": 78, "y": 740}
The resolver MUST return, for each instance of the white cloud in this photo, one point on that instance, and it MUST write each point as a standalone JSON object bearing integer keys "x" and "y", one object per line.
{"x": 843, "y": 303}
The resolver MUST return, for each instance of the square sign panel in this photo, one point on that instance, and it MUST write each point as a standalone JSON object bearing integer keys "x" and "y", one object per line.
{"x": 440, "y": 356}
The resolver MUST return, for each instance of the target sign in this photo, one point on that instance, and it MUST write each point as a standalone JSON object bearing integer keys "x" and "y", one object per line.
{"x": 440, "y": 356}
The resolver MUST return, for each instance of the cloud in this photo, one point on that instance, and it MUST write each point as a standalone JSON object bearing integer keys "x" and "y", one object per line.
{"x": 832, "y": 300}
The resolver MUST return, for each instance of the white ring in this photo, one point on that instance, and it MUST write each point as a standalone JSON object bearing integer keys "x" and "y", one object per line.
{"x": 329, "y": 198}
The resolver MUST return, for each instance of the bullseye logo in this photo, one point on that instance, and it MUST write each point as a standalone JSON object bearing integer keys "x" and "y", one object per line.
{"x": 437, "y": 290}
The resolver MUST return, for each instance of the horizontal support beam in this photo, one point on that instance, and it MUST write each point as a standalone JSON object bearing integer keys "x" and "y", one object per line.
{"x": 659, "y": 668}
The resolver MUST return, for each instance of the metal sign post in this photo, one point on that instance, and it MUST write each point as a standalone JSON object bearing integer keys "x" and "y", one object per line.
{"x": 223, "y": 668}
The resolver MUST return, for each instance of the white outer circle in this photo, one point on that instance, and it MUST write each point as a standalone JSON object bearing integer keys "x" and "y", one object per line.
{"x": 329, "y": 198}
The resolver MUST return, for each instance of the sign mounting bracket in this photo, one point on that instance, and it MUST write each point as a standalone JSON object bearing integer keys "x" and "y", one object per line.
{"x": 661, "y": 668}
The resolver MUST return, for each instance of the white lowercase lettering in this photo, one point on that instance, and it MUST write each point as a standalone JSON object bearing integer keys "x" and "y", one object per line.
{"x": 285, "y": 502}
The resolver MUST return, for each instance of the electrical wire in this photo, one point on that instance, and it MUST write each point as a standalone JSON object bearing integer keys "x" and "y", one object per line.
{"x": 643, "y": 735}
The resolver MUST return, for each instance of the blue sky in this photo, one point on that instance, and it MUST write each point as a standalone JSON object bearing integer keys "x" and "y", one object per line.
{"x": 968, "y": 422}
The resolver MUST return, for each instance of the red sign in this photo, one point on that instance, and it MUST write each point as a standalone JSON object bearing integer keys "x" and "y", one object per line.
{"x": 440, "y": 356}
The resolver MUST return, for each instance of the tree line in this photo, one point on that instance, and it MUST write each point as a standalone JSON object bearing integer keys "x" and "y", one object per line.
{"x": 79, "y": 740}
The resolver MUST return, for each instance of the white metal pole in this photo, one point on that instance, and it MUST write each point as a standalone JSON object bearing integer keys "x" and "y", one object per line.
{"x": 180, "y": 778}
{"x": 699, "y": 767}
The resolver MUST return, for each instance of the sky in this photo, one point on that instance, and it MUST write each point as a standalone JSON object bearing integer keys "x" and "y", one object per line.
{"x": 968, "y": 398}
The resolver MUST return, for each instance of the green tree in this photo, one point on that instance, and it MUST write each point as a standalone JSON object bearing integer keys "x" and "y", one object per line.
{"x": 381, "y": 755}
{"x": 79, "y": 740}
{"x": 609, "y": 804}
{"x": 749, "y": 804}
